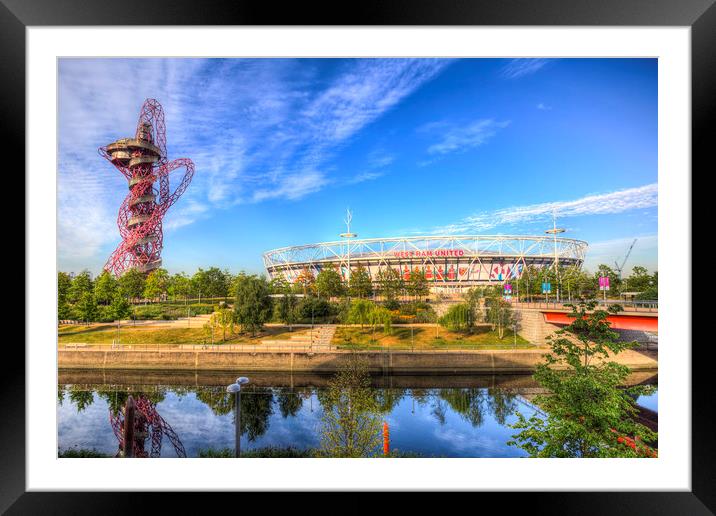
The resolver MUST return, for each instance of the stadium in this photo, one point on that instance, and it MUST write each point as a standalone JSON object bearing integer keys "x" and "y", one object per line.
{"x": 449, "y": 262}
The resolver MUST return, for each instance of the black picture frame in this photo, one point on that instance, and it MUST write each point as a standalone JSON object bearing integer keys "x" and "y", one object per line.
{"x": 700, "y": 15}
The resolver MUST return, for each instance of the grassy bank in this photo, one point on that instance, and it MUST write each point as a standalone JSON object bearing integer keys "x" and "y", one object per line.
{"x": 106, "y": 334}
{"x": 425, "y": 338}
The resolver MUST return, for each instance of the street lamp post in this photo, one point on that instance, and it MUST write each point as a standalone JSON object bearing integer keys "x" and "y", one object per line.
{"x": 554, "y": 231}
{"x": 348, "y": 235}
{"x": 235, "y": 388}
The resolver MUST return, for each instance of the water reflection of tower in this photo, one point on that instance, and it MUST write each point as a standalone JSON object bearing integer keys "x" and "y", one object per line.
{"x": 137, "y": 421}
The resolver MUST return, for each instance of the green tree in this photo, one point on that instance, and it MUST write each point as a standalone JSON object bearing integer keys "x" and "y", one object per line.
{"x": 651, "y": 292}
{"x": 81, "y": 284}
{"x": 639, "y": 280}
{"x": 360, "y": 284}
{"x": 212, "y": 282}
{"x": 64, "y": 284}
{"x": 286, "y": 308}
{"x": 587, "y": 413}
{"x": 329, "y": 283}
{"x": 131, "y": 284}
{"x": 380, "y": 316}
{"x": 351, "y": 423}
{"x": 225, "y": 319}
{"x": 390, "y": 283}
{"x": 253, "y": 302}
{"x": 156, "y": 285}
{"x": 417, "y": 284}
{"x": 87, "y": 308}
{"x": 105, "y": 287}
{"x": 120, "y": 309}
{"x": 360, "y": 312}
{"x": 180, "y": 285}
{"x": 459, "y": 318}
{"x": 499, "y": 314}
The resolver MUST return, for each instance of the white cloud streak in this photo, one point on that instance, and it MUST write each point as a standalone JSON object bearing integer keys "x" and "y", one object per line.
{"x": 517, "y": 68}
{"x": 459, "y": 138}
{"x": 598, "y": 204}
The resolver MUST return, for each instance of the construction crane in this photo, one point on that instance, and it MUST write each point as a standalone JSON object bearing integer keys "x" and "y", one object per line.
{"x": 620, "y": 267}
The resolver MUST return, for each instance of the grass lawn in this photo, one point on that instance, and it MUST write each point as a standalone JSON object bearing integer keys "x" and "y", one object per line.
{"x": 105, "y": 334}
{"x": 425, "y": 338}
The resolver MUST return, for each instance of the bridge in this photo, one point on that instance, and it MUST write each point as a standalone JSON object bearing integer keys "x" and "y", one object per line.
{"x": 638, "y": 320}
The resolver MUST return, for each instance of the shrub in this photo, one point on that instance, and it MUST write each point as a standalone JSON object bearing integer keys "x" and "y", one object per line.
{"x": 392, "y": 304}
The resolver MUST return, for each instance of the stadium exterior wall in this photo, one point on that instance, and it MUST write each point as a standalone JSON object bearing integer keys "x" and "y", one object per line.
{"x": 448, "y": 262}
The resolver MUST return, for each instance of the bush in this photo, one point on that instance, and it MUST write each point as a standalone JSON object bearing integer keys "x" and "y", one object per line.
{"x": 392, "y": 304}
{"x": 269, "y": 452}
{"x": 320, "y": 309}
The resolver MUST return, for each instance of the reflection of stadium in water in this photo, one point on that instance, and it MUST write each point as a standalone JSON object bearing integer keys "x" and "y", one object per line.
{"x": 446, "y": 261}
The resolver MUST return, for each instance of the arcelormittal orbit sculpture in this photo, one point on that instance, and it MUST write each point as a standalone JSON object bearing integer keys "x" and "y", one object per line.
{"x": 143, "y": 161}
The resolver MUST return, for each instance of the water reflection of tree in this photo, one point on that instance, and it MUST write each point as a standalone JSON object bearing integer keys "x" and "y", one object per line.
{"x": 81, "y": 397}
{"x": 256, "y": 406}
{"x": 439, "y": 410}
{"x": 216, "y": 398}
{"x": 502, "y": 403}
{"x": 60, "y": 394}
{"x": 387, "y": 399}
{"x": 116, "y": 396}
{"x": 256, "y": 409}
{"x": 422, "y": 396}
{"x": 469, "y": 403}
{"x": 289, "y": 401}
{"x": 351, "y": 413}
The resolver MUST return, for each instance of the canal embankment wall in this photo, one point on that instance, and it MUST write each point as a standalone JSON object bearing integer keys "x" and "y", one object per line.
{"x": 385, "y": 362}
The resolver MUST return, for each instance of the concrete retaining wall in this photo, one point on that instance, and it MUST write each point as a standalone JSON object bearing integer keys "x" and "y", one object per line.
{"x": 502, "y": 361}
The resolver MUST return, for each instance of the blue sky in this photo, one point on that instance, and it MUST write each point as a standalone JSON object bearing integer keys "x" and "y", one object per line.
{"x": 412, "y": 146}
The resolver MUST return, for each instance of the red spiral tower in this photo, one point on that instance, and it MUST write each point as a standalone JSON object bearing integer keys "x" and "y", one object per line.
{"x": 143, "y": 162}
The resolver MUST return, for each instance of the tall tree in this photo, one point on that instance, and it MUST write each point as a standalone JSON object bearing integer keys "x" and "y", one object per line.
{"x": 157, "y": 284}
{"x": 417, "y": 284}
{"x": 253, "y": 303}
{"x": 212, "y": 282}
{"x": 180, "y": 285}
{"x": 64, "y": 284}
{"x": 81, "y": 284}
{"x": 87, "y": 308}
{"x": 360, "y": 283}
{"x": 390, "y": 283}
{"x": 286, "y": 307}
{"x": 499, "y": 314}
{"x": 105, "y": 287}
{"x": 587, "y": 412}
{"x": 131, "y": 284}
{"x": 329, "y": 283}
{"x": 305, "y": 281}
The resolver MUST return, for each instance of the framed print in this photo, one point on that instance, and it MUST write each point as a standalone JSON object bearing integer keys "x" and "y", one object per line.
{"x": 414, "y": 250}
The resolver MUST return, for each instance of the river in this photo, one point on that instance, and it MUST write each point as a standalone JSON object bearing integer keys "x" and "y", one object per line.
{"x": 427, "y": 416}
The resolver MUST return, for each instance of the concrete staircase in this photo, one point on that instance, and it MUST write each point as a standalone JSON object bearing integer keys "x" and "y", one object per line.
{"x": 318, "y": 340}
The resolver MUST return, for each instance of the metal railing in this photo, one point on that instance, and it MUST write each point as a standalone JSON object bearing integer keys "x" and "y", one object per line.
{"x": 627, "y": 306}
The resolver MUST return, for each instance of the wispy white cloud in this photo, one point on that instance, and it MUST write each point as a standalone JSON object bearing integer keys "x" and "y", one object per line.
{"x": 544, "y": 107}
{"x": 517, "y": 68}
{"x": 365, "y": 176}
{"x": 596, "y": 204}
{"x": 455, "y": 137}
